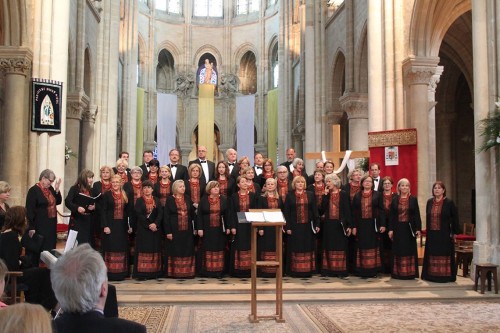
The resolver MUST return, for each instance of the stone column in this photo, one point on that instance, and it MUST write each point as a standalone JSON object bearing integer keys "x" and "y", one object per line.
{"x": 16, "y": 63}
{"x": 73, "y": 122}
{"x": 50, "y": 61}
{"x": 88, "y": 124}
{"x": 356, "y": 107}
{"x": 418, "y": 75}
{"x": 308, "y": 63}
{"x": 376, "y": 84}
{"x": 485, "y": 27}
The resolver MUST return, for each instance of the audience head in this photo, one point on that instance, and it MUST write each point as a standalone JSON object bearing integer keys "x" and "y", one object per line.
{"x": 15, "y": 219}
{"x": 79, "y": 280}
{"x": 4, "y": 191}
{"x": 25, "y": 318}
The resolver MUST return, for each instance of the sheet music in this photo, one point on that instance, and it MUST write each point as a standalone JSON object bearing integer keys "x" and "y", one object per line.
{"x": 312, "y": 228}
{"x": 255, "y": 217}
{"x": 273, "y": 216}
{"x": 71, "y": 241}
{"x": 376, "y": 228}
{"x": 411, "y": 229}
{"x": 343, "y": 228}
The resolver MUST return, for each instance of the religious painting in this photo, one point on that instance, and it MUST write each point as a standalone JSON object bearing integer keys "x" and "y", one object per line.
{"x": 391, "y": 155}
{"x": 46, "y": 106}
{"x": 207, "y": 72}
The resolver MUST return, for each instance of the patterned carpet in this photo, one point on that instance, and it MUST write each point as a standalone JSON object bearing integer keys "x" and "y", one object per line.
{"x": 403, "y": 316}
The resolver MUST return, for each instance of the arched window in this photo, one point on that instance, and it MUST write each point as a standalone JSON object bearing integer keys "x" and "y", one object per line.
{"x": 274, "y": 75}
{"x": 244, "y": 7}
{"x": 248, "y": 73}
{"x": 207, "y": 8}
{"x": 169, "y": 6}
{"x": 165, "y": 72}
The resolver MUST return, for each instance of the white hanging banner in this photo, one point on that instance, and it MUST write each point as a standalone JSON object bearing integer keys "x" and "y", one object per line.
{"x": 166, "y": 110}
{"x": 245, "y": 114}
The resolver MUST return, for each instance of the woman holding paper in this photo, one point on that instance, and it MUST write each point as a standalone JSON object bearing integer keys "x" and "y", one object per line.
{"x": 368, "y": 224}
{"x": 336, "y": 228}
{"x": 442, "y": 227}
{"x": 241, "y": 201}
{"x": 115, "y": 211}
{"x": 266, "y": 243}
{"x": 149, "y": 214}
{"x": 302, "y": 223}
{"x": 100, "y": 187}
{"x": 212, "y": 229}
{"x": 82, "y": 207}
{"x": 179, "y": 230}
{"x": 404, "y": 228}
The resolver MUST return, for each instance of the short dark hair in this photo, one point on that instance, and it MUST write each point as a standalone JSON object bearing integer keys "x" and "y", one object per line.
{"x": 147, "y": 152}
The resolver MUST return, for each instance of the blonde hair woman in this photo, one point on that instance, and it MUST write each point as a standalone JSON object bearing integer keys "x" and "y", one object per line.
{"x": 25, "y": 318}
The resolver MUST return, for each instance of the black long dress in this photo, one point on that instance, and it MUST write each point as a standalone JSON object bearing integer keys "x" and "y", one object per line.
{"x": 241, "y": 256}
{"x": 368, "y": 220}
{"x": 266, "y": 244}
{"x": 147, "y": 261}
{"x": 335, "y": 241}
{"x": 41, "y": 212}
{"x": 178, "y": 221}
{"x": 439, "y": 257}
{"x": 404, "y": 223}
{"x": 82, "y": 223}
{"x": 115, "y": 246}
{"x": 301, "y": 215}
{"x": 98, "y": 188}
{"x": 212, "y": 219}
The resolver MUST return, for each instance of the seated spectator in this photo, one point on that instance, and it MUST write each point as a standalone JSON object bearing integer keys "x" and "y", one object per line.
{"x": 79, "y": 280}
{"x": 25, "y": 318}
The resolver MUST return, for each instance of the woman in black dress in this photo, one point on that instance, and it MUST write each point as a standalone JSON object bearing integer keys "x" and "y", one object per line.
{"x": 149, "y": 214}
{"x": 163, "y": 188}
{"x": 81, "y": 211}
{"x": 336, "y": 229}
{"x": 302, "y": 224}
{"x": 442, "y": 228}
{"x": 226, "y": 182}
{"x": 369, "y": 222}
{"x": 404, "y": 228}
{"x": 212, "y": 229}
{"x": 100, "y": 187}
{"x": 115, "y": 224}
{"x": 179, "y": 230}
{"x": 41, "y": 210}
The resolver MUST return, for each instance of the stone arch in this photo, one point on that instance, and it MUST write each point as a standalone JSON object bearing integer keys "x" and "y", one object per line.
{"x": 361, "y": 61}
{"x": 241, "y": 51}
{"x": 248, "y": 73}
{"x": 338, "y": 86}
{"x": 273, "y": 59}
{"x": 429, "y": 23}
{"x": 87, "y": 73}
{"x": 170, "y": 47}
{"x": 165, "y": 72}
{"x": 14, "y": 23}
{"x": 207, "y": 49}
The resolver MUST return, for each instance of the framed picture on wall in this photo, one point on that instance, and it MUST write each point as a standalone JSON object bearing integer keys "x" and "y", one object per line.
{"x": 46, "y": 106}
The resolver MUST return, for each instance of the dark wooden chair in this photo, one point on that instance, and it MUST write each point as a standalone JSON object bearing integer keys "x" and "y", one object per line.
{"x": 485, "y": 271}
{"x": 15, "y": 291}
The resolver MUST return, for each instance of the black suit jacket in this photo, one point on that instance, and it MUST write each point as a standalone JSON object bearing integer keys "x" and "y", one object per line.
{"x": 287, "y": 164}
{"x": 145, "y": 171}
{"x": 380, "y": 187}
{"x": 236, "y": 171}
{"x": 181, "y": 172}
{"x": 211, "y": 170}
{"x": 95, "y": 322}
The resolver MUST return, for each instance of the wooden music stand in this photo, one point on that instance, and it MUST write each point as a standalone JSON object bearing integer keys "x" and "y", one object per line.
{"x": 278, "y": 264}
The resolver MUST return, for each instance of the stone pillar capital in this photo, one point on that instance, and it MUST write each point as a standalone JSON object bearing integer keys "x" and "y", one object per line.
{"x": 422, "y": 70}
{"x": 90, "y": 114}
{"x": 355, "y": 105}
{"x": 16, "y": 60}
{"x": 334, "y": 116}
{"x": 76, "y": 104}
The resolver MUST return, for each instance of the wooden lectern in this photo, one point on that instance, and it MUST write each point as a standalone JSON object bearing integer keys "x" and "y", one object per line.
{"x": 278, "y": 264}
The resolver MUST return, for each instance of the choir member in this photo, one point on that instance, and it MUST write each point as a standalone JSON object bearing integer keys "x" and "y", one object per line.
{"x": 163, "y": 188}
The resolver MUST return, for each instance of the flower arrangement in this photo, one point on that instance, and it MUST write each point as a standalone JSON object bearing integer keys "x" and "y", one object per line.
{"x": 68, "y": 153}
{"x": 490, "y": 130}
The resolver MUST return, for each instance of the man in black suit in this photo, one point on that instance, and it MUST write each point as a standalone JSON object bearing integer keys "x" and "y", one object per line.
{"x": 178, "y": 171}
{"x": 208, "y": 167}
{"x": 290, "y": 156}
{"x": 232, "y": 162}
{"x": 147, "y": 156}
{"x": 377, "y": 180}
{"x": 258, "y": 167}
{"x": 80, "y": 283}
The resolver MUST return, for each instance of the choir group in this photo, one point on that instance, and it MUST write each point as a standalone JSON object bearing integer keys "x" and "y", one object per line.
{"x": 181, "y": 221}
